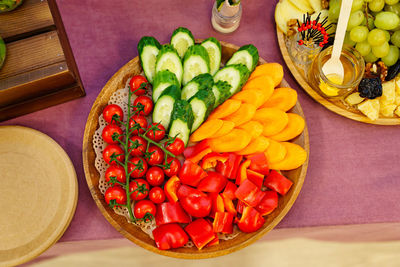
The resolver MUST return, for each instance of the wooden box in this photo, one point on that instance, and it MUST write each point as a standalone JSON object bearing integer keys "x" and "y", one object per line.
{"x": 39, "y": 70}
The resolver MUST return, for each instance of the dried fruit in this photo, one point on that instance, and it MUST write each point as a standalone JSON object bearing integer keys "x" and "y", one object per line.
{"x": 393, "y": 71}
{"x": 370, "y": 88}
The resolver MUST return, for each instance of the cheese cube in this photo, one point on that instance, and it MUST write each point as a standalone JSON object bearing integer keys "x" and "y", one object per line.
{"x": 387, "y": 109}
{"x": 370, "y": 108}
{"x": 388, "y": 92}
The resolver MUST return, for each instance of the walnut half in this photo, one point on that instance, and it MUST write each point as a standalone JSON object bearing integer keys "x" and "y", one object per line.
{"x": 376, "y": 69}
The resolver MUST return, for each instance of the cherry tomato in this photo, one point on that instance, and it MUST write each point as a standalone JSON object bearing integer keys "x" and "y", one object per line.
{"x": 155, "y": 176}
{"x": 157, "y": 155}
{"x": 143, "y": 207}
{"x": 139, "y": 189}
{"x": 112, "y": 110}
{"x": 146, "y": 102}
{"x": 174, "y": 167}
{"x": 133, "y": 163}
{"x": 111, "y": 149}
{"x": 142, "y": 145}
{"x": 177, "y": 147}
{"x": 117, "y": 193}
{"x": 156, "y": 134}
{"x": 138, "y": 84}
{"x": 108, "y": 132}
{"x": 141, "y": 120}
{"x": 116, "y": 171}
{"x": 157, "y": 195}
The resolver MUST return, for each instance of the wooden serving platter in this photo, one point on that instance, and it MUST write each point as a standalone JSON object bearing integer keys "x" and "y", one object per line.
{"x": 335, "y": 105}
{"x": 39, "y": 70}
{"x": 134, "y": 233}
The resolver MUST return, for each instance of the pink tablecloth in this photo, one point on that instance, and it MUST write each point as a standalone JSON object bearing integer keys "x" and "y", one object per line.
{"x": 354, "y": 170}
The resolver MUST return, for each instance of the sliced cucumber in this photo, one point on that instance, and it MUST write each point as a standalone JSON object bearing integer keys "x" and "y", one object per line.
{"x": 213, "y": 48}
{"x": 181, "y": 40}
{"x": 221, "y": 90}
{"x": 247, "y": 55}
{"x": 148, "y": 49}
{"x": 162, "y": 80}
{"x": 202, "y": 81}
{"x": 181, "y": 120}
{"x": 168, "y": 59}
{"x": 236, "y": 75}
{"x": 195, "y": 62}
{"x": 202, "y": 104}
{"x": 165, "y": 104}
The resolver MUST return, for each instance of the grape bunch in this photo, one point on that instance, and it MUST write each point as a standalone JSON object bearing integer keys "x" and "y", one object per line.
{"x": 373, "y": 28}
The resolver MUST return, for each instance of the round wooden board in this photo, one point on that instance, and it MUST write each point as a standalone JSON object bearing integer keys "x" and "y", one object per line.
{"x": 134, "y": 233}
{"x": 38, "y": 194}
{"x": 333, "y": 105}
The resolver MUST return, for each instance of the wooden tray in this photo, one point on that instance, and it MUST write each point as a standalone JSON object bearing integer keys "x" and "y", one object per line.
{"x": 38, "y": 195}
{"x": 134, "y": 233}
{"x": 39, "y": 70}
{"x": 333, "y": 105}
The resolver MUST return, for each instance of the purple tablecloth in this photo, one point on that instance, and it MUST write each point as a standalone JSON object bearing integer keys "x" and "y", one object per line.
{"x": 354, "y": 171}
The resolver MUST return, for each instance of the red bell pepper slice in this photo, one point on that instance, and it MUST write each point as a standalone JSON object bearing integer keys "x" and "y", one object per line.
{"x": 242, "y": 174}
{"x": 213, "y": 183}
{"x": 210, "y": 160}
{"x": 185, "y": 190}
{"x": 251, "y": 220}
{"x": 249, "y": 193}
{"x": 201, "y": 232}
{"x": 230, "y": 167}
{"x": 213, "y": 242}
{"x": 259, "y": 163}
{"x": 229, "y": 206}
{"x": 171, "y": 187}
{"x": 278, "y": 182}
{"x": 191, "y": 173}
{"x": 223, "y": 223}
{"x": 197, "y": 204}
{"x": 169, "y": 212}
{"x": 169, "y": 236}
{"x": 230, "y": 190}
{"x": 255, "y": 177}
{"x": 197, "y": 152}
{"x": 268, "y": 203}
{"x": 240, "y": 206}
{"x": 217, "y": 204}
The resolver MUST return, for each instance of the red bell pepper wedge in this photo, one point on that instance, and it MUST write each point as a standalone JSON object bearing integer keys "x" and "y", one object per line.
{"x": 210, "y": 160}
{"x": 230, "y": 167}
{"x": 249, "y": 193}
{"x": 259, "y": 163}
{"x": 229, "y": 206}
{"x": 242, "y": 173}
{"x": 223, "y": 223}
{"x": 171, "y": 187}
{"x": 185, "y": 190}
{"x": 201, "y": 232}
{"x": 169, "y": 212}
{"x": 251, "y": 220}
{"x": 268, "y": 203}
{"x": 217, "y": 204}
{"x": 213, "y": 242}
{"x": 191, "y": 173}
{"x": 197, "y": 152}
{"x": 213, "y": 183}
{"x": 240, "y": 206}
{"x": 169, "y": 236}
{"x": 230, "y": 190}
{"x": 278, "y": 182}
{"x": 197, "y": 203}
{"x": 255, "y": 177}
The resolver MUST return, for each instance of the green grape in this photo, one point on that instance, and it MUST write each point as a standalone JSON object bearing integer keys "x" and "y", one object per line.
{"x": 387, "y": 35}
{"x": 387, "y": 20}
{"x": 376, "y": 37}
{"x": 391, "y": 2}
{"x": 393, "y": 8}
{"x": 395, "y": 38}
{"x": 367, "y": 1}
{"x": 376, "y": 5}
{"x": 347, "y": 40}
{"x": 364, "y": 48}
{"x": 392, "y": 57}
{"x": 356, "y": 18}
{"x": 334, "y": 9}
{"x": 370, "y": 58}
{"x": 357, "y": 5}
{"x": 359, "y": 34}
{"x": 381, "y": 50}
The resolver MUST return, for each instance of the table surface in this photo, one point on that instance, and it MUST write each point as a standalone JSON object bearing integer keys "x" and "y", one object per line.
{"x": 353, "y": 175}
